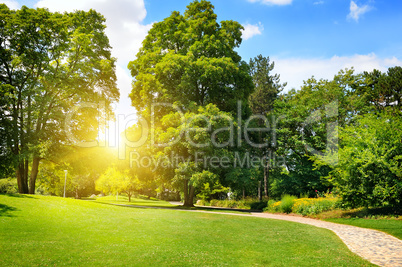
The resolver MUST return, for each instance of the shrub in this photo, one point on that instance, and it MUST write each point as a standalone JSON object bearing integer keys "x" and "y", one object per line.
{"x": 368, "y": 172}
{"x": 248, "y": 203}
{"x": 303, "y": 206}
{"x": 260, "y": 205}
{"x": 306, "y": 206}
{"x": 201, "y": 202}
{"x": 7, "y": 186}
{"x": 272, "y": 206}
{"x": 286, "y": 204}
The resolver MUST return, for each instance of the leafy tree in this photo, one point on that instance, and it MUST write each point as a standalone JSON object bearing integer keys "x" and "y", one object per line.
{"x": 197, "y": 152}
{"x": 307, "y": 126}
{"x": 370, "y": 162}
{"x": 84, "y": 166}
{"x": 115, "y": 182}
{"x": 49, "y": 62}
{"x": 207, "y": 192}
{"x": 191, "y": 58}
{"x": 383, "y": 89}
{"x": 243, "y": 181}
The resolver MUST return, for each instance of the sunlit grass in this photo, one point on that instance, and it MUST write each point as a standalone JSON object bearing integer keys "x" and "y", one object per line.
{"x": 37, "y": 230}
{"x": 122, "y": 199}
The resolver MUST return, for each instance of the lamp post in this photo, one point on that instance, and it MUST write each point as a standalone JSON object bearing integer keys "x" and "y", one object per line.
{"x": 65, "y": 182}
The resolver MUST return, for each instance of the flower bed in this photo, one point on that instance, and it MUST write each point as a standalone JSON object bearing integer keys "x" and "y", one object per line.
{"x": 304, "y": 206}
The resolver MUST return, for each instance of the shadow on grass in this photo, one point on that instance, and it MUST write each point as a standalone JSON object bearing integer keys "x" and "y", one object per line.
{"x": 367, "y": 212}
{"x": 18, "y": 195}
{"x": 179, "y": 207}
{"x": 5, "y": 210}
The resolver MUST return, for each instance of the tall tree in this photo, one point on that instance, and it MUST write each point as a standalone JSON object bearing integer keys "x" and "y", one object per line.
{"x": 267, "y": 85}
{"x": 50, "y": 62}
{"x": 267, "y": 89}
{"x": 191, "y": 58}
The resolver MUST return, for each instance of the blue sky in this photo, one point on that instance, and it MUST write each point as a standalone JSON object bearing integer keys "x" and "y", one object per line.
{"x": 307, "y": 28}
{"x": 303, "y": 37}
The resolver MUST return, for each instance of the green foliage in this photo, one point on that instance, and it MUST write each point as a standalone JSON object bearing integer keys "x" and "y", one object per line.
{"x": 211, "y": 189}
{"x": 303, "y": 206}
{"x": 287, "y": 203}
{"x": 310, "y": 206}
{"x": 8, "y": 186}
{"x": 50, "y": 62}
{"x": 196, "y": 138}
{"x": 259, "y": 205}
{"x": 115, "y": 182}
{"x": 191, "y": 58}
{"x": 267, "y": 85}
{"x": 84, "y": 166}
{"x": 247, "y": 203}
{"x": 370, "y": 162}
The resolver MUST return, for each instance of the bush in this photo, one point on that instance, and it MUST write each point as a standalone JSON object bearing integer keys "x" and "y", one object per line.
{"x": 248, "y": 203}
{"x": 368, "y": 172}
{"x": 303, "y": 206}
{"x": 307, "y": 206}
{"x": 201, "y": 202}
{"x": 8, "y": 186}
{"x": 260, "y": 205}
{"x": 287, "y": 202}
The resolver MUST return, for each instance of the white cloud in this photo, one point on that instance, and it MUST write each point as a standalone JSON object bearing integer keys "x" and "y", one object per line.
{"x": 123, "y": 20}
{"x": 356, "y": 11}
{"x": 273, "y": 2}
{"x": 11, "y": 4}
{"x": 318, "y": 3}
{"x": 252, "y": 30}
{"x": 295, "y": 70}
{"x": 124, "y": 29}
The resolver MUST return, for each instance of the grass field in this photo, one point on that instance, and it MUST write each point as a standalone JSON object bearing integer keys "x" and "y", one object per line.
{"x": 155, "y": 203}
{"x": 39, "y": 231}
{"x": 122, "y": 199}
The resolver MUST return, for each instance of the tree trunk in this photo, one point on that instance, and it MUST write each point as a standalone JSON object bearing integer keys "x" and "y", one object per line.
{"x": 34, "y": 174}
{"x": 191, "y": 197}
{"x": 266, "y": 180}
{"x": 22, "y": 179}
{"x": 129, "y": 197}
{"x": 188, "y": 194}
{"x": 185, "y": 190}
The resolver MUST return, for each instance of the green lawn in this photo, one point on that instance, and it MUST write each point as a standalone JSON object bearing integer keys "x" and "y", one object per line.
{"x": 39, "y": 231}
{"x": 134, "y": 201}
{"x": 390, "y": 226}
{"x": 123, "y": 200}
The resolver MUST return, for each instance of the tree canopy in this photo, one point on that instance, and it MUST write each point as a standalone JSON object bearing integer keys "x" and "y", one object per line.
{"x": 49, "y": 63}
{"x": 191, "y": 58}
